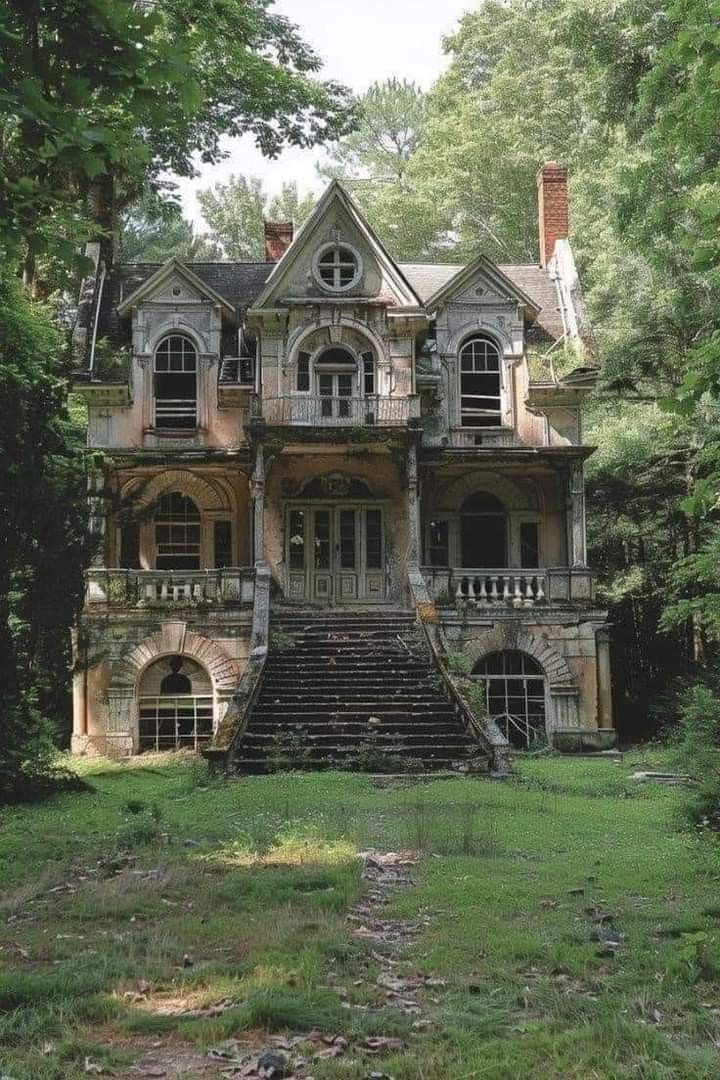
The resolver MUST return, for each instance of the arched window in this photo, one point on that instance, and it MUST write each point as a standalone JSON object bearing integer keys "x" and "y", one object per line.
{"x": 483, "y": 532}
{"x": 177, "y": 533}
{"x": 175, "y": 705}
{"x": 176, "y": 383}
{"x": 340, "y": 377}
{"x": 515, "y": 695}
{"x": 480, "y": 396}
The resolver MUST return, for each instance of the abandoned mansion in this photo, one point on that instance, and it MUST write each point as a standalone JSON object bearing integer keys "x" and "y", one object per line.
{"x": 341, "y": 503}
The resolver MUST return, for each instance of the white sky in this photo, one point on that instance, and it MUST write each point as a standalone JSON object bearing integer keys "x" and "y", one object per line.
{"x": 360, "y": 43}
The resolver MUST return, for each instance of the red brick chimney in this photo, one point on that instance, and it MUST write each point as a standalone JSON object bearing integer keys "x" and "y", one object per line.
{"x": 278, "y": 238}
{"x": 552, "y": 207}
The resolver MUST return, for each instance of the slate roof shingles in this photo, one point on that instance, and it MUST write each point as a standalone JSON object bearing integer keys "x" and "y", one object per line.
{"x": 241, "y": 284}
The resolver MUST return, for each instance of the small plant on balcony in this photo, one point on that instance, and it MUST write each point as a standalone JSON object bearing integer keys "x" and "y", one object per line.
{"x": 116, "y": 591}
{"x": 111, "y": 362}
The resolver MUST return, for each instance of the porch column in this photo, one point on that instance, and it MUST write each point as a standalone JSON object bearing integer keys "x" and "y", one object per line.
{"x": 576, "y": 517}
{"x": 258, "y": 496}
{"x": 97, "y": 527}
{"x": 413, "y": 549}
{"x": 604, "y": 684}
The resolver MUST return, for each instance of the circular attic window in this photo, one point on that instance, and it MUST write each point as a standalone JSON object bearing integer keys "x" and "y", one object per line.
{"x": 337, "y": 267}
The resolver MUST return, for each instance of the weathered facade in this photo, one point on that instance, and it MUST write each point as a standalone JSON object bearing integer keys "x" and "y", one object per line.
{"x": 329, "y": 428}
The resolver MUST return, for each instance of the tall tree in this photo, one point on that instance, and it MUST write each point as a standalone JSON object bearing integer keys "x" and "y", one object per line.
{"x": 103, "y": 96}
{"x": 153, "y": 229}
{"x": 43, "y": 538}
{"x": 235, "y": 212}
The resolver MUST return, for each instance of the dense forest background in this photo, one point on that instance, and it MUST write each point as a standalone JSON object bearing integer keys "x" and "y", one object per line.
{"x": 625, "y": 92}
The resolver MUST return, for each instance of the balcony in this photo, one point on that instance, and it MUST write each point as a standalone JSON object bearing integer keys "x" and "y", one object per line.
{"x": 371, "y": 411}
{"x": 471, "y": 588}
{"x": 144, "y": 588}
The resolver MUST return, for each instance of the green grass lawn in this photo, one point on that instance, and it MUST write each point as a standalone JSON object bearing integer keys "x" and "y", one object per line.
{"x": 158, "y": 893}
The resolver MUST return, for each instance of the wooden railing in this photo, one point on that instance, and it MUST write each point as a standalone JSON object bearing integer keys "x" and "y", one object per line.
{"x": 135, "y": 588}
{"x": 477, "y": 587}
{"x": 371, "y": 411}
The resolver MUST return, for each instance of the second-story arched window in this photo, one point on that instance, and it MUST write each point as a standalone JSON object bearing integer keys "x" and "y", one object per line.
{"x": 177, "y": 533}
{"x": 480, "y": 383}
{"x": 175, "y": 383}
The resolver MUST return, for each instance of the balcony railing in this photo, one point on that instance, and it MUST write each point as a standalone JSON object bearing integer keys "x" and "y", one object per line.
{"x": 138, "y": 588}
{"x": 370, "y": 411}
{"x": 470, "y": 587}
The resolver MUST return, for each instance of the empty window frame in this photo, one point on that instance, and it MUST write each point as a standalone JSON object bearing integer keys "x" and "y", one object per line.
{"x": 515, "y": 694}
{"x": 480, "y": 384}
{"x": 177, "y": 533}
{"x": 438, "y": 547}
{"x": 176, "y": 383}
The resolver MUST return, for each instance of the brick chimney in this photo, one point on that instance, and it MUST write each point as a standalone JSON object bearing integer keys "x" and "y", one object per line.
{"x": 552, "y": 207}
{"x": 278, "y": 238}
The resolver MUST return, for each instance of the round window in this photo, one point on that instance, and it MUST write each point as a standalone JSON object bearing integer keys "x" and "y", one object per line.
{"x": 337, "y": 267}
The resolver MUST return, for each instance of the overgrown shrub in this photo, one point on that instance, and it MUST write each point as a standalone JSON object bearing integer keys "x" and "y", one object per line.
{"x": 697, "y": 741}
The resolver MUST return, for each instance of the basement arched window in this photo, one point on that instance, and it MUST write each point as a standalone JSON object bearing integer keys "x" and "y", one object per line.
{"x": 514, "y": 685}
{"x": 480, "y": 383}
{"x": 175, "y": 383}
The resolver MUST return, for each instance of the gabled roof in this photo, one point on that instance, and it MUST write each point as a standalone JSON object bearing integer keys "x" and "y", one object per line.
{"x": 172, "y": 267}
{"x": 490, "y": 272}
{"x": 335, "y": 192}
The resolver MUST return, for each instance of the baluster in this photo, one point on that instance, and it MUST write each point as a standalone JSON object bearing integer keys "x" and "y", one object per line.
{"x": 163, "y": 589}
{"x": 529, "y": 595}
{"x": 493, "y": 589}
{"x": 198, "y": 591}
{"x": 517, "y": 593}
{"x": 506, "y": 588}
{"x": 479, "y": 592}
{"x": 459, "y": 594}
{"x": 539, "y": 588}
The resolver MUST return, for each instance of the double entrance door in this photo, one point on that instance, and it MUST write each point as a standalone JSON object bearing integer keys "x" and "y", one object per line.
{"x": 335, "y": 553}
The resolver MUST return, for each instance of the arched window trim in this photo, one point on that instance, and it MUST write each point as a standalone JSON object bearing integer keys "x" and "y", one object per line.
{"x": 484, "y": 415}
{"x": 176, "y": 372}
{"x": 364, "y": 364}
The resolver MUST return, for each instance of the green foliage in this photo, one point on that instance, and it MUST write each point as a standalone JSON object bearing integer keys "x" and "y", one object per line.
{"x": 235, "y": 212}
{"x": 153, "y": 229}
{"x": 101, "y": 97}
{"x": 43, "y": 540}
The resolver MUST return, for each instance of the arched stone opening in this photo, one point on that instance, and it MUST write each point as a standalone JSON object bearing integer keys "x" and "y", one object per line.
{"x": 175, "y": 705}
{"x": 514, "y": 686}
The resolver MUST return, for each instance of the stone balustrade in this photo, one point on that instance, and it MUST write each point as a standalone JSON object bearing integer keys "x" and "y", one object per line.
{"x": 470, "y": 587}
{"x": 138, "y": 588}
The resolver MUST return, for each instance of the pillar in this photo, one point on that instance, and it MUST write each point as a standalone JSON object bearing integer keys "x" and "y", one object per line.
{"x": 576, "y": 513}
{"x": 258, "y": 496}
{"x": 413, "y": 552}
{"x": 604, "y": 679}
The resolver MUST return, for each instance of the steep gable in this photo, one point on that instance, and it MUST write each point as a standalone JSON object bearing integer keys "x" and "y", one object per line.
{"x": 336, "y": 222}
{"x": 173, "y": 283}
{"x": 481, "y": 281}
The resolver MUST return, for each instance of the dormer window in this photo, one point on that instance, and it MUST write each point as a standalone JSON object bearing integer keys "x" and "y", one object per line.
{"x": 480, "y": 383}
{"x": 176, "y": 383}
{"x": 337, "y": 267}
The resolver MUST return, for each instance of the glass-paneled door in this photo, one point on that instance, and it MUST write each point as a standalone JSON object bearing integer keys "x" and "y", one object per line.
{"x": 335, "y": 553}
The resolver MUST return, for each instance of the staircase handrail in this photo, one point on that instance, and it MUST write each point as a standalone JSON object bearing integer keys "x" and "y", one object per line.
{"x": 233, "y": 725}
{"x": 487, "y": 733}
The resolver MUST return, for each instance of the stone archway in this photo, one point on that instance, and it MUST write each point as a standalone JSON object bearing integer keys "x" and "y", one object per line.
{"x": 563, "y": 692}
{"x": 207, "y": 494}
{"x": 508, "y": 637}
{"x": 174, "y": 638}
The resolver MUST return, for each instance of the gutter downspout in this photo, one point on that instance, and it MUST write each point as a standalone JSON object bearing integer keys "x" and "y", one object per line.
{"x": 91, "y": 365}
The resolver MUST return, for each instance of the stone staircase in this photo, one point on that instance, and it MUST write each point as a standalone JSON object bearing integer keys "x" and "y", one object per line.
{"x": 355, "y": 690}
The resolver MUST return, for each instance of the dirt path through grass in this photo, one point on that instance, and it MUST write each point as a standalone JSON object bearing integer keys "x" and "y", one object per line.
{"x": 563, "y": 925}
